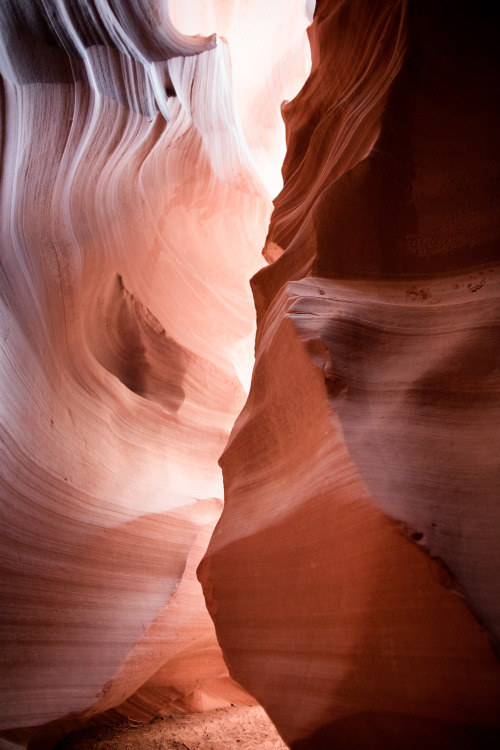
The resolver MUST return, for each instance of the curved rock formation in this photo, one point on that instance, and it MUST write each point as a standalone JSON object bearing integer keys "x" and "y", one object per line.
{"x": 132, "y": 217}
{"x": 354, "y": 575}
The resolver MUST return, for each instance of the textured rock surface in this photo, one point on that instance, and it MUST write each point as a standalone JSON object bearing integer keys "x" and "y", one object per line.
{"x": 361, "y": 478}
{"x": 353, "y": 576}
{"x": 132, "y": 217}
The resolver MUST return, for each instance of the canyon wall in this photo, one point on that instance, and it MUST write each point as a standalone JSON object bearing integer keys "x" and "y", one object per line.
{"x": 352, "y": 579}
{"x": 354, "y": 575}
{"x": 133, "y": 214}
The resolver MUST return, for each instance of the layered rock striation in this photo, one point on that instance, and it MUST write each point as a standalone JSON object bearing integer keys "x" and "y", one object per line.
{"x": 353, "y": 575}
{"x": 132, "y": 216}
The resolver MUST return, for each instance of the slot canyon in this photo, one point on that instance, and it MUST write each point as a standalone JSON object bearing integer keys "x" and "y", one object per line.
{"x": 249, "y": 372}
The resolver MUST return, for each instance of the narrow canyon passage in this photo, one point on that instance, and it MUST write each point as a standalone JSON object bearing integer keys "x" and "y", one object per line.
{"x": 341, "y": 567}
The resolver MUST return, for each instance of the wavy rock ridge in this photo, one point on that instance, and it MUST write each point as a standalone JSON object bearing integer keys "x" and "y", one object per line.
{"x": 353, "y": 575}
{"x": 132, "y": 217}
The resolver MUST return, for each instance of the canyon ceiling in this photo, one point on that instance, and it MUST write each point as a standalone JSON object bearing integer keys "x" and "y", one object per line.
{"x": 348, "y": 546}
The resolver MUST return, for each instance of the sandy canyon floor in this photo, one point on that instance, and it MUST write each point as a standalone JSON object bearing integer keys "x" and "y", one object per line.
{"x": 222, "y": 729}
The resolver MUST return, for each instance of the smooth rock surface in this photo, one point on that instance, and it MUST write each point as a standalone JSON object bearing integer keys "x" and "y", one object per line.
{"x": 361, "y": 478}
{"x": 132, "y": 217}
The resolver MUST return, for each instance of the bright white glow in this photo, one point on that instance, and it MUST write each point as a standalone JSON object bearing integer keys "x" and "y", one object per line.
{"x": 270, "y": 61}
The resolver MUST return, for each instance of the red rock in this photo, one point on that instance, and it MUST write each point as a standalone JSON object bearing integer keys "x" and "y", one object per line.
{"x": 353, "y": 576}
{"x": 132, "y": 219}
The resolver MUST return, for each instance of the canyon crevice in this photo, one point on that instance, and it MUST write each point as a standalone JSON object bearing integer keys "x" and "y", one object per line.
{"x": 349, "y": 560}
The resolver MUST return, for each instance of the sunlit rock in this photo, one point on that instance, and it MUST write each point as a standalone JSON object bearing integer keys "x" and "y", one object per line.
{"x": 353, "y": 575}
{"x": 132, "y": 220}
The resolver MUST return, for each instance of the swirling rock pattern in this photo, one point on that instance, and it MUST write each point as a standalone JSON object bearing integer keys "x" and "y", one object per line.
{"x": 361, "y": 478}
{"x": 132, "y": 217}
